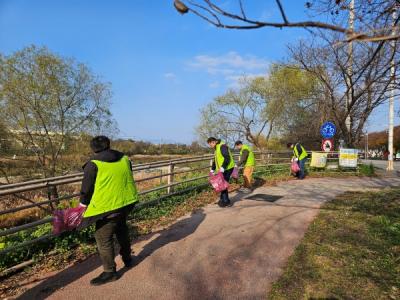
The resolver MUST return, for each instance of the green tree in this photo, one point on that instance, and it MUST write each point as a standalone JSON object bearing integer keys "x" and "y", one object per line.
{"x": 264, "y": 108}
{"x": 295, "y": 104}
{"x": 47, "y": 100}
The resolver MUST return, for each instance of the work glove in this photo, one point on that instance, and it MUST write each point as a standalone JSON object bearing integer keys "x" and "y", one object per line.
{"x": 222, "y": 170}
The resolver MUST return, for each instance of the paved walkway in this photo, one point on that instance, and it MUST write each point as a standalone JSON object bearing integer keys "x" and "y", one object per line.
{"x": 230, "y": 253}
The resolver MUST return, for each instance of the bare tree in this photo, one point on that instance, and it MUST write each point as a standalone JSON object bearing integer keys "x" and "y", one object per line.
{"x": 364, "y": 87}
{"x": 373, "y": 17}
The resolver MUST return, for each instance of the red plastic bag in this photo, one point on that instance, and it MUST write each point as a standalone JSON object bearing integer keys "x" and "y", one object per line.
{"x": 218, "y": 182}
{"x": 235, "y": 173}
{"x": 294, "y": 167}
{"x": 67, "y": 219}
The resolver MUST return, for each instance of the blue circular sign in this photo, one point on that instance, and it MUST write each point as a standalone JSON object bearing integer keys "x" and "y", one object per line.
{"x": 328, "y": 130}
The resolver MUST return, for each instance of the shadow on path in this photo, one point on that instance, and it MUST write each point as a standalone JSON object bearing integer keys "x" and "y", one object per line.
{"x": 177, "y": 231}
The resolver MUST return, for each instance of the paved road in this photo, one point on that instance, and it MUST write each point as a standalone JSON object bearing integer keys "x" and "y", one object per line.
{"x": 230, "y": 253}
{"x": 382, "y": 164}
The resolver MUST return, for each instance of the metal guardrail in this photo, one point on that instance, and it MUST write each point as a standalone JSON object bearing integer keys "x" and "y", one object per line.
{"x": 270, "y": 158}
{"x": 264, "y": 159}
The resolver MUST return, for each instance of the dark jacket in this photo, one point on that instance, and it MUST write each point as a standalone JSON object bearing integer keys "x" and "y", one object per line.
{"x": 89, "y": 180}
{"x": 225, "y": 154}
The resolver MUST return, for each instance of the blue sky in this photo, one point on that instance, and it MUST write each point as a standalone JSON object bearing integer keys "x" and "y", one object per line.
{"x": 163, "y": 67}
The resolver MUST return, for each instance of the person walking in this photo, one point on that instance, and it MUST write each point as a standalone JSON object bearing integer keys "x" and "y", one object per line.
{"x": 109, "y": 193}
{"x": 224, "y": 163}
{"x": 247, "y": 160}
{"x": 300, "y": 156}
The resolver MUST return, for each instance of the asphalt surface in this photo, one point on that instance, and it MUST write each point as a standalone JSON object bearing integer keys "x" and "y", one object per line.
{"x": 214, "y": 253}
{"x": 382, "y": 164}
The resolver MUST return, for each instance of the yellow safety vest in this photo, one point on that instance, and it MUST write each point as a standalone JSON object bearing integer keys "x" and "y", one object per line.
{"x": 304, "y": 153}
{"x": 219, "y": 159}
{"x": 250, "y": 162}
{"x": 114, "y": 187}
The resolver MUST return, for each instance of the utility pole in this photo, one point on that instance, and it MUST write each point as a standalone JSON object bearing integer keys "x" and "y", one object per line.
{"x": 366, "y": 145}
{"x": 349, "y": 96}
{"x": 391, "y": 99}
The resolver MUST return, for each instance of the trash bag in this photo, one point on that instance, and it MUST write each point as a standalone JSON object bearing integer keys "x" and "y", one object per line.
{"x": 235, "y": 173}
{"x": 294, "y": 167}
{"x": 218, "y": 182}
{"x": 67, "y": 219}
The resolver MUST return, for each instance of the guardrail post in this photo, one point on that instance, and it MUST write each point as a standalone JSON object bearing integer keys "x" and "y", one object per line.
{"x": 52, "y": 194}
{"x": 170, "y": 177}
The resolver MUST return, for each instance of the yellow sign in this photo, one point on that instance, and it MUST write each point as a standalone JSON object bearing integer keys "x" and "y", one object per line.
{"x": 348, "y": 158}
{"x": 318, "y": 160}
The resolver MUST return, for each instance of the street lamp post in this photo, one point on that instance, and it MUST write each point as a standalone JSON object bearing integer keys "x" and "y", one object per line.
{"x": 349, "y": 96}
{"x": 391, "y": 99}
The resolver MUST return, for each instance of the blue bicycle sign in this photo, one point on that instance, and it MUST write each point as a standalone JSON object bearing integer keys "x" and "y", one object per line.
{"x": 328, "y": 130}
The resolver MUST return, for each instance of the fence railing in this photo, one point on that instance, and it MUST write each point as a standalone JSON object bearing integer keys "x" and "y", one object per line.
{"x": 191, "y": 171}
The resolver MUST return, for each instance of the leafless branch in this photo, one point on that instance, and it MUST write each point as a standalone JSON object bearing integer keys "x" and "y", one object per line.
{"x": 282, "y": 11}
{"x": 245, "y": 23}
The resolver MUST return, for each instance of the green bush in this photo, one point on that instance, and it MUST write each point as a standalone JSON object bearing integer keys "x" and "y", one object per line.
{"x": 367, "y": 170}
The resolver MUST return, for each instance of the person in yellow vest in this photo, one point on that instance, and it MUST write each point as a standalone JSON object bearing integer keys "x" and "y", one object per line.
{"x": 300, "y": 155}
{"x": 224, "y": 163}
{"x": 246, "y": 160}
{"x": 109, "y": 193}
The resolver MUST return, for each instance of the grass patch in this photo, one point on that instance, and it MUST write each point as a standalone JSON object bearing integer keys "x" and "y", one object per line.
{"x": 147, "y": 217}
{"x": 350, "y": 251}
{"x": 76, "y": 246}
{"x": 367, "y": 170}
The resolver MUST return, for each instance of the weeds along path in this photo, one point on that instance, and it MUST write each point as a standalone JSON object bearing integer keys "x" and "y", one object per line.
{"x": 214, "y": 253}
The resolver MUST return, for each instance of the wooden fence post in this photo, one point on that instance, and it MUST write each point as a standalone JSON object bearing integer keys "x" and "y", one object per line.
{"x": 170, "y": 177}
{"x": 52, "y": 194}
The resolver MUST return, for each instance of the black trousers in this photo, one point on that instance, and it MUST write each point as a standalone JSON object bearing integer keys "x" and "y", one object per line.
{"x": 224, "y": 198}
{"x": 104, "y": 235}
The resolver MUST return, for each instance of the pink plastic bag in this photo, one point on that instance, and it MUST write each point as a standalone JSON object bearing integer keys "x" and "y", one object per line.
{"x": 235, "y": 173}
{"x": 294, "y": 167}
{"x": 218, "y": 182}
{"x": 67, "y": 219}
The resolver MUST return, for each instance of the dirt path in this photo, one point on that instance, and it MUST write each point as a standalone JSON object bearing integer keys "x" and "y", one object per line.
{"x": 230, "y": 253}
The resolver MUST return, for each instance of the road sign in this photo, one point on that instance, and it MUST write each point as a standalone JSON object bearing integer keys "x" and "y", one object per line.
{"x": 327, "y": 145}
{"x": 328, "y": 130}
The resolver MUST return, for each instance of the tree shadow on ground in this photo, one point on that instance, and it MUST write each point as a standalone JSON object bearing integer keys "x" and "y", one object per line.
{"x": 176, "y": 232}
